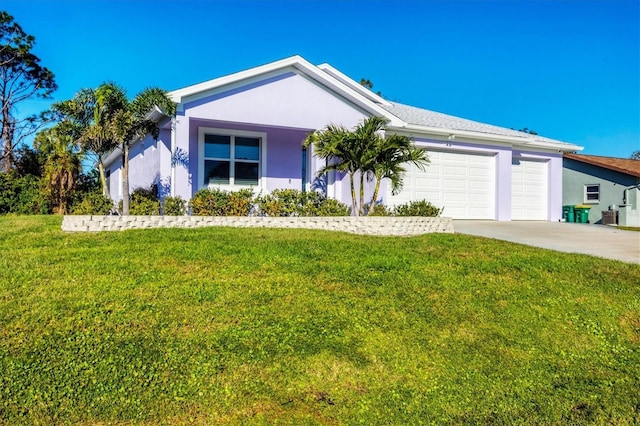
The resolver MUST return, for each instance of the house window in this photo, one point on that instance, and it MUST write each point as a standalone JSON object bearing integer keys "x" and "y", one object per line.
{"x": 231, "y": 158}
{"x": 592, "y": 194}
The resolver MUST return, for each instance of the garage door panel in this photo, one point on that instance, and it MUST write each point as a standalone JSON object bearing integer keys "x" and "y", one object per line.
{"x": 455, "y": 185}
{"x": 478, "y": 185}
{"x": 453, "y": 171}
{"x": 477, "y": 198}
{"x": 453, "y": 197}
{"x": 480, "y": 173}
{"x": 529, "y": 190}
{"x": 462, "y": 183}
{"x": 480, "y": 212}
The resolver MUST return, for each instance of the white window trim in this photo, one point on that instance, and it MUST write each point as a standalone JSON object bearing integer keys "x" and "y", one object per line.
{"x": 262, "y": 164}
{"x": 587, "y": 201}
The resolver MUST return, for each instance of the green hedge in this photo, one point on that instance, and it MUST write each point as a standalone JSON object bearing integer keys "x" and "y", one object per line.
{"x": 291, "y": 202}
{"x": 21, "y": 195}
{"x": 216, "y": 202}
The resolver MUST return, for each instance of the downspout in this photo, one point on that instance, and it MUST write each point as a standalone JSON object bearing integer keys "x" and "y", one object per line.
{"x": 625, "y": 192}
{"x": 173, "y": 156}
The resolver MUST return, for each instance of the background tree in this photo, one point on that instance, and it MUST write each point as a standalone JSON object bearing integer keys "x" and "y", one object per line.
{"x": 528, "y": 131}
{"x": 21, "y": 77}
{"x": 365, "y": 82}
{"x": 62, "y": 166}
{"x": 635, "y": 155}
{"x": 88, "y": 115}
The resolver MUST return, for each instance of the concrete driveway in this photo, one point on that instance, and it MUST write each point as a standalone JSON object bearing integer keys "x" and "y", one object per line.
{"x": 595, "y": 240}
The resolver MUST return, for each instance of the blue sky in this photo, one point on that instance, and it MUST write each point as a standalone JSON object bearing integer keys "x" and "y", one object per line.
{"x": 568, "y": 69}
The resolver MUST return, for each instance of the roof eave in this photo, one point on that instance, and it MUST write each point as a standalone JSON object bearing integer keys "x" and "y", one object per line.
{"x": 562, "y": 147}
{"x": 352, "y": 84}
{"x": 604, "y": 166}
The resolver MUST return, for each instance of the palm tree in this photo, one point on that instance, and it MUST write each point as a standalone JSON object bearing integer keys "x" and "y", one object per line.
{"x": 87, "y": 114}
{"x": 392, "y": 153}
{"x": 368, "y": 137}
{"x": 131, "y": 121}
{"x": 336, "y": 145}
{"x": 62, "y": 165}
{"x": 367, "y": 151}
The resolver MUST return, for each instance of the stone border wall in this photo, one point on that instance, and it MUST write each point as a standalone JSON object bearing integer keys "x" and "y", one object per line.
{"x": 355, "y": 225}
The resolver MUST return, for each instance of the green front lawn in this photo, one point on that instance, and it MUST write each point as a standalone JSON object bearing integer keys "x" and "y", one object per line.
{"x": 266, "y": 326}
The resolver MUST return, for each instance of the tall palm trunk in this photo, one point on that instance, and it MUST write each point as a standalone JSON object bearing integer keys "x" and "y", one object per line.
{"x": 354, "y": 202}
{"x": 125, "y": 179}
{"x": 103, "y": 178}
{"x": 361, "y": 193}
{"x": 376, "y": 190}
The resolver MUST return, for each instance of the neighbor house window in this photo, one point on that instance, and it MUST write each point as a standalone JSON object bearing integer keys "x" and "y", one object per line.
{"x": 231, "y": 158}
{"x": 592, "y": 193}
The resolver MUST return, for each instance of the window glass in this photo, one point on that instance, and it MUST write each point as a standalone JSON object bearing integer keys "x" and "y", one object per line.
{"x": 246, "y": 173}
{"x": 216, "y": 172}
{"x": 216, "y": 146}
{"x": 592, "y": 192}
{"x": 247, "y": 148}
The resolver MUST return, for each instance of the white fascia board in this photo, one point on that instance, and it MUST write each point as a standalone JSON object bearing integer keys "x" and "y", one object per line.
{"x": 485, "y": 137}
{"x": 179, "y": 94}
{"x": 297, "y": 62}
{"x": 353, "y": 84}
{"x": 563, "y": 147}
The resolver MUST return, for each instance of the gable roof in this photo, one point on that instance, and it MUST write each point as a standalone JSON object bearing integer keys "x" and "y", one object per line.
{"x": 401, "y": 117}
{"x": 622, "y": 165}
{"x": 297, "y": 63}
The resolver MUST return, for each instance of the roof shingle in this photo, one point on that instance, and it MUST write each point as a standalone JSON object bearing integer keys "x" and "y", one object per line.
{"x": 425, "y": 117}
{"x": 623, "y": 165}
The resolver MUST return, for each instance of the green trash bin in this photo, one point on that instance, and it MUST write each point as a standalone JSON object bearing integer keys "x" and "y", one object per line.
{"x": 568, "y": 213}
{"x": 582, "y": 214}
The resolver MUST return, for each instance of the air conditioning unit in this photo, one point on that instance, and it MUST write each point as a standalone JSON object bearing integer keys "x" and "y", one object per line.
{"x": 609, "y": 217}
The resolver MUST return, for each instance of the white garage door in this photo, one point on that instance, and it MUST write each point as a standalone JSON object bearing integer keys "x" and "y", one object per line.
{"x": 529, "y": 189}
{"x": 464, "y": 184}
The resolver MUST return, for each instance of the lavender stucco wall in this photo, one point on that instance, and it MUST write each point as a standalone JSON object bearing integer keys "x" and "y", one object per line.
{"x": 284, "y": 152}
{"x": 286, "y": 107}
{"x": 291, "y": 101}
{"x": 144, "y": 164}
{"x": 115, "y": 178}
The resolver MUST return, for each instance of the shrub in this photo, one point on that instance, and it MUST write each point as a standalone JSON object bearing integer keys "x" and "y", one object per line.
{"x": 143, "y": 202}
{"x": 94, "y": 203}
{"x": 217, "y": 202}
{"x": 331, "y": 207}
{"x": 417, "y": 208}
{"x": 380, "y": 210}
{"x": 21, "y": 195}
{"x": 292, "y": 202}
{"x": 174, "y": 206}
